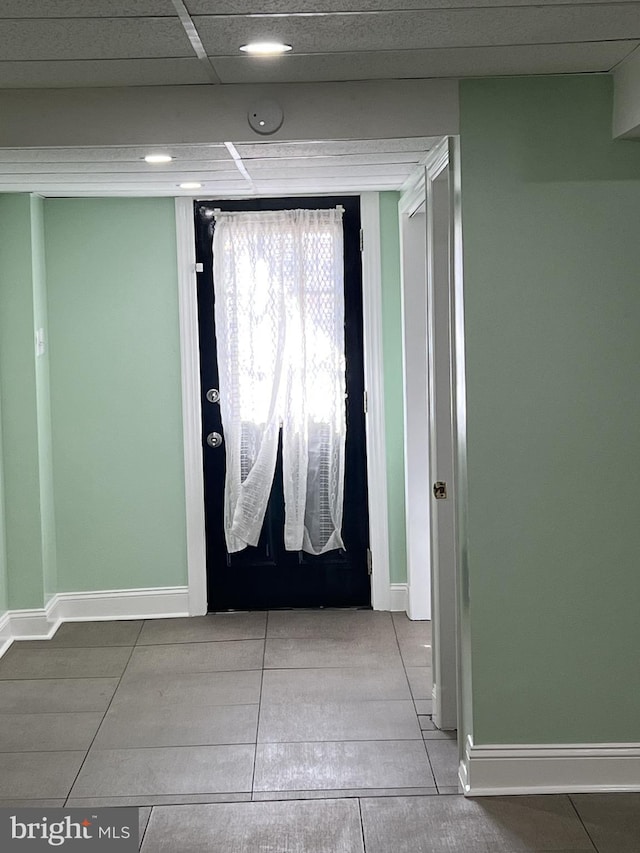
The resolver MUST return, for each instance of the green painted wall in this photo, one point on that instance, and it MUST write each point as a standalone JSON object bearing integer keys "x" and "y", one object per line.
{"x": 551, "y": 211}
{"x": 4, "y": 577}
{"x": 115, "y": 393}
{"x": 393, "y": 385}
{"x": 19, "y": 268}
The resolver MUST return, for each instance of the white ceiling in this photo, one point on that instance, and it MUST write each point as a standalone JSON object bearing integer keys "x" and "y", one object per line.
{"x": 97, "y": 43}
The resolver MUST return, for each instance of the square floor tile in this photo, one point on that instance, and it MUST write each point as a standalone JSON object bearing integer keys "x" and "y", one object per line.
{"x": 296, "y": 654}
{"x": 200, "y": 629}
{"x": 612, "y": 820}
{"x": 197, "y": 657}
{"x": 454, "y": 824}
{"x": 21, "y": 663}
{"x": 411, "y": 629}
{"x": 355, "y": 764}
{"x": 56, "y": 695}
{"x": 128, "y": 726}
{"x": 321, "y": 826}
{"x": 166, "y": 770}
{"x": 38, "y": 775}
{"x": 414, "y": 639}
{"x": 420, "y": 682}
{"x": 334, "y": 721}
{"x": 330, "y": 625}
{"x": 443, "y": 755}
{"x": 84, "y": 635}
{"x": 47, "y": 732}
{"x": 348, "y": 684}
{"x": 191, "y": 688}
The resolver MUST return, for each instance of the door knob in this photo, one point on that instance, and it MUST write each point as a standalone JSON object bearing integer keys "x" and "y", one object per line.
{"x": 214, "y": 439}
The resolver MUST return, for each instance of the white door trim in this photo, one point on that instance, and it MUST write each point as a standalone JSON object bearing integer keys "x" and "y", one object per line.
{"x": 374, "y": 384}
{"x": 191, "y": 409}
{"x": 413, "y": 275}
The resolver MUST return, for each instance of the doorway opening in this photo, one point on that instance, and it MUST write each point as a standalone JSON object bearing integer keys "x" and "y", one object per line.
{"x": 268, "y": 576}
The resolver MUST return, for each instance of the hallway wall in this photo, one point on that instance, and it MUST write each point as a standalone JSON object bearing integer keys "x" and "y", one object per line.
{"x": 551, "y": 208}
{"x": 115, "y": 393}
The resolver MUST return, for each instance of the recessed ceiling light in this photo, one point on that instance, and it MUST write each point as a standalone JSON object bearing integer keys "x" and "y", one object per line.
{"x": 265, "y": 48}
{"x": 190, "y": 185}
{"x": 158, "y": 158}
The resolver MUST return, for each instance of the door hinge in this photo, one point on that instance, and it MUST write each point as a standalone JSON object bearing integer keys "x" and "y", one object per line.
{"x": 199, "y": 267}
{"x": 362, "y": 239}
{"x": 369, "y": 562}
{"x": 440, "y": 490}
{"x": 365, "y": 402}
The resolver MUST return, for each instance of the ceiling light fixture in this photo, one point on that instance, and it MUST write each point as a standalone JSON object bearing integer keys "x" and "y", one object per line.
{"x": 190, "y": 185}
{"x": 265, "y": 48}
{"x": 158, "y": 158}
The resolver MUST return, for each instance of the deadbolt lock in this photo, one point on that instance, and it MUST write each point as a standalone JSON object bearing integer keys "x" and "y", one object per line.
{"x": 440, "y": 490}
{"x": 214, "y": 439}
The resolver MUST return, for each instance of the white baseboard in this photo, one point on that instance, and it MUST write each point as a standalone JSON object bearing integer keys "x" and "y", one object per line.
{"x": 119, "y": 604}
{"x": 41, "y": 624}
{"x": 398, "y": 596}
{"x": 549, "y": 768}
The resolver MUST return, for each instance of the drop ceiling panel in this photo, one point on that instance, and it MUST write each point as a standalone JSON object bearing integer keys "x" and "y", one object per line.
{"x": 71, "y": 73}
{"x": 111, "y": 171}
{"x": 222, "y": 35}
{"x": 85, "y": 8}
{"x": 170, "y": 182}
{"x": 99, "y": 38}
{"x": 116, "y": 154}
{"x": 294, "y": 171}
{"x": 417, "y": 144}
{"x": 452, "y": 62}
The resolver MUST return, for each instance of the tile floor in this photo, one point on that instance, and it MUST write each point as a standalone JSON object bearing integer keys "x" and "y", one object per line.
{"x": 286, "y": 732}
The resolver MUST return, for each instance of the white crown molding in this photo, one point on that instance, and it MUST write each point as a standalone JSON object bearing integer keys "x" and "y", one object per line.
{"x": 494, "y": 769}
{"x": 112, "y": 604}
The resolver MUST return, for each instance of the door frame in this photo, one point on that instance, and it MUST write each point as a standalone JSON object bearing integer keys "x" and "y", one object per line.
{"x": 381, "y": 598}
{"x": 449, "y": 600}
{"x": 413, "y": 277}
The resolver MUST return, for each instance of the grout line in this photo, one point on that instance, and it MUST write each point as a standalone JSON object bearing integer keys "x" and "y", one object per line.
{"x": 255, "y": 752}
{"x": 84, "y": 761}
{"x": 364, "y": 844}
{"x": 424, "y": 743}
{"x": 146, "y": 826}
{"x": 579, "y": 816}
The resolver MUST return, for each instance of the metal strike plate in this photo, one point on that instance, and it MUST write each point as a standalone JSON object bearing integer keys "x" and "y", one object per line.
{"x": 214, "y": 439}
{"x": 213, "y": 395}
{"x": 440, "y": 490}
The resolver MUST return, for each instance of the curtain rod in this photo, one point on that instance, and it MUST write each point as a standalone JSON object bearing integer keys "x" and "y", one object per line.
{"x": 217, "y": 210}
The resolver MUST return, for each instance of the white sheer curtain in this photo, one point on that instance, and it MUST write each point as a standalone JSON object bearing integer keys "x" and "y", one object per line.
{"x": 279, "y": 311}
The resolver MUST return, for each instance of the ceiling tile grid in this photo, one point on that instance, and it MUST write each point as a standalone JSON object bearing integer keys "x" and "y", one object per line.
{"x": 113, "y": 43}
